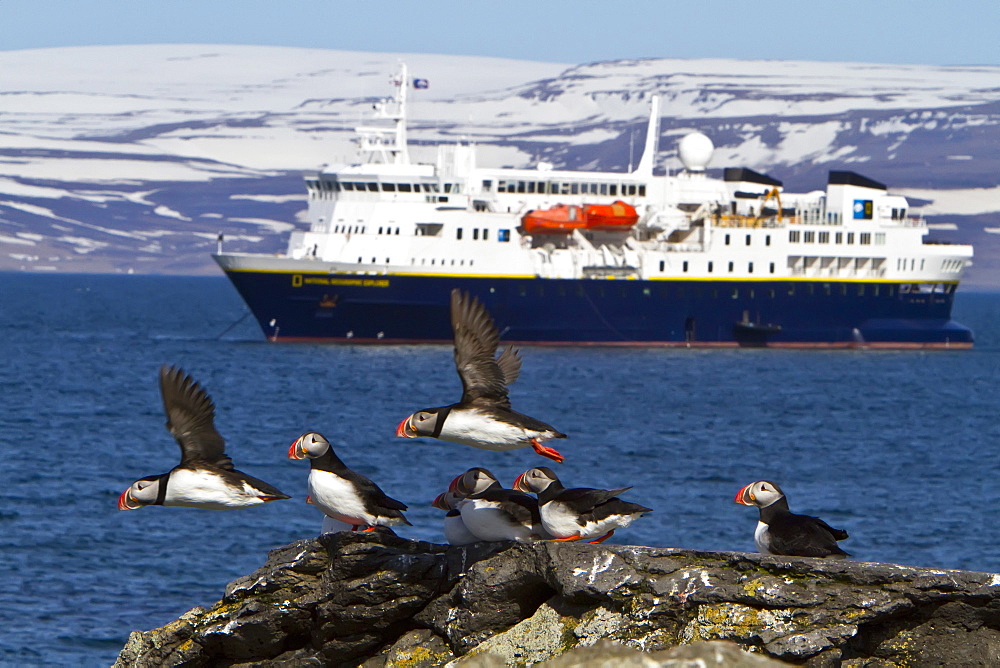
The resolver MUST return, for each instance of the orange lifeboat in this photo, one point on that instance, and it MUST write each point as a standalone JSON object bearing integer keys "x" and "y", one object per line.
{"x": 615, "y": 216}
{"x": 559, "y": 219}
{"x": 564, "y": 218}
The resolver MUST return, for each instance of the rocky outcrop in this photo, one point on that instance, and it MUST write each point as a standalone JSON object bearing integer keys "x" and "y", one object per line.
{"x": 376, "y": 599}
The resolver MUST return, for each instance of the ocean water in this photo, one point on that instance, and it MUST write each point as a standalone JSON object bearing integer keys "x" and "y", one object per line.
{"x": 899, "y": 448}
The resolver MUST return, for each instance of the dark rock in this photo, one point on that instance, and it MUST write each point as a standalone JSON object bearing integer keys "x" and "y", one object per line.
{"x": 376, "y": 599}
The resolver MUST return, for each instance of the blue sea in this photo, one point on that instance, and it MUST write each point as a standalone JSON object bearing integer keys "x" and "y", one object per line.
{"x": 899, "y": 448}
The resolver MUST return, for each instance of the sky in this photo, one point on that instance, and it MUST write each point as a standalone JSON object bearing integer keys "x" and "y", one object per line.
{"x": 925, "y": 32}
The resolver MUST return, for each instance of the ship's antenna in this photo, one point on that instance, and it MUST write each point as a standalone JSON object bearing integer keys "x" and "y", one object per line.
{"x": 648, "y": 158}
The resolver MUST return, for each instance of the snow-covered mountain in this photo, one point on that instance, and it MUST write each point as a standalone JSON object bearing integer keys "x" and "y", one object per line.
{"x": 134, "y": 158}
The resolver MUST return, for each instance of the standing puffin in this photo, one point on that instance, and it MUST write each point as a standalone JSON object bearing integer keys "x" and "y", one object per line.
{"x": 340, "y": 492}
{"x": 483, "y": 418}
{"x": 493, "y": 513}
{"x": 782, "y": 532}
{"x": 205, "y": 478}
{"x": 581, "y": 512}
{"x": 455, "y": 531}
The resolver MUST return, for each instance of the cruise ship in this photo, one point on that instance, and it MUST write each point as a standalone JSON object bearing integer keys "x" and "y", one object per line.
{"x": 600, "y": 258}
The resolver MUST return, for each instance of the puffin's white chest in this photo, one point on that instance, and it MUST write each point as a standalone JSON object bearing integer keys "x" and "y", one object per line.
{"x": 488, "y": 521}
{"x": 337, "y": 498}
{"x": 480, "y": 430}
{"x": 206, "y": 489}
{"x": 455, "y": 531}
{"x": 762, "y": 538}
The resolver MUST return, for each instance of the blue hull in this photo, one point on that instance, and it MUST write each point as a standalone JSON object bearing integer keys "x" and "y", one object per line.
{"x": 414, "y": 309}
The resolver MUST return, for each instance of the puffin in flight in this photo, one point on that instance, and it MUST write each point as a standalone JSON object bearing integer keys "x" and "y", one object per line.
{"x": 205, "y": 478}
{"x": 578, "y": 513}
{"x": 493, "y": 513}
{"x": 340, "y": 492}
{"x": 483, "y": 418}
{"x": 455, "y": 531}
{"x": 782, "y": 532}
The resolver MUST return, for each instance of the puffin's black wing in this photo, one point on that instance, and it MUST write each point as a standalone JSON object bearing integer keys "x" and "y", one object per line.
{"x": 191, "y": 419}
{"x": 805, "y": 536}
{"x": 371, "y": 492}
{"x": 476, "y": 339}
{"x": 585, "y": 499}
{"x": 522, "y": 507}
{"x": 510, "y": 364}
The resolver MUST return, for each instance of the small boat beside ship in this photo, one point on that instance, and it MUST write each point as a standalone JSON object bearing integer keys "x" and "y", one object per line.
{"x": 609, "y": 258}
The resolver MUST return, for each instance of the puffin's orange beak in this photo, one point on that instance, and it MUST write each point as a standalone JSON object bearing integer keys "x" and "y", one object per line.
{"x": 744, "y": 497}
{"x": 520, "y": 485}
{"x": 404, "y": 430}
{"x": 123, "y": 501}
{"x": 438, "y": 502}
{"x": 294, "y": 451}
{"x": 453, "y": 485}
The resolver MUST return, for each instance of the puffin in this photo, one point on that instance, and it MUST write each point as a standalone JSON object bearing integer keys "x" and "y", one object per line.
{"x": 493, "y": 513}
{"x": 205, "y": 478}
{"x": 578, "y": 513}
{"x": 782, "y": 532}
{"x": 341, "y": 493}
{"x": 455, "y": 531}
{"x": 483, "y": 418}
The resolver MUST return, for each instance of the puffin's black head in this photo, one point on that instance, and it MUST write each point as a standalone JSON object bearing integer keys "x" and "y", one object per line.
{"x": 761, "y": 494}
{"x": 422, "y": 423}
{"x": 473, "y": 481}
{"x": 143, "y": 492}
{"x": 309, "y": 445}
{"x": 536, "y": 480}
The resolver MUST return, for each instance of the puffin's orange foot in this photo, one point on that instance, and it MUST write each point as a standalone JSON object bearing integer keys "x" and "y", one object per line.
{"x": 568, "y": 538}
{"x": 551, "y": 453}
{"x": 368, "y": 529}
{"x": 309, "y": 499}
{"x": 604, "y": 537}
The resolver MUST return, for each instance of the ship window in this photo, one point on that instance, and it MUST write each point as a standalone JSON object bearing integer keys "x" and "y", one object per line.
{"x": 487, "y": 184}
{"x": 475, "y": 233}
{"x": 458, "y": 233}
{"x": 429, "y": 229}
{"x": 710, "y": 267}
{"x": 767, "y": 240}
{"x": 404, "y": 187}
{"x": 359, "y": 259}
{"x": 503, "y": 235}
{"x": 373, "y": 187}
{"x": 727, "y": 239}
{"x": 824, "y": 237}
{"x": 373, "y": 260}
{"x": 661, "y": 265}
{"x": 380, "y": 230}
{"x": 397, "y": 230}
{"x": 843, "y": 289}
{"x": 604, "y": 188}
{"x": 791, "y": 289}
{"x": 735, "y": 294}
{"x": 865, "y": 238}
{"x": 793, "y": 236}
{"x": 646, "y": 292}
{"x": 574, "y": 188}
{"x": 685, "y": 265}
{"x": 530, "y": 187}
{"x": 613, "y": 190}
{"x": 772, "y": 267}
{"x": 850, "y": 237}
{"x": 750, "y": 268}
{"x": 522, "y": 291}
{"x": 389, "y": 187}
{"x": 880, "y": 238}
{"x": 748, "y": 240}
{"x": 432, "y": 261}
{"x": 730, "y": 267}
{"x": 348, "y": 185}
{"x": 826, "y": 289}
{"x": 861, "y": 290}
{"x": 838, "y": 238}
{"x": 521, "y": 186}
{"x": 808, "y": 237}
{"x": 642, "y": 190}
{"x": 486, "y": 234}
{"x": 875, "y": 290}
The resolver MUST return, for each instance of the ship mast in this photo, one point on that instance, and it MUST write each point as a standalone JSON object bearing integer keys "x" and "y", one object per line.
{"x": 388, "y": 145}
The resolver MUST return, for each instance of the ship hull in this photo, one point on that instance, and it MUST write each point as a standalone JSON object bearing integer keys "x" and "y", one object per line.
{"x": 299, "y": 306}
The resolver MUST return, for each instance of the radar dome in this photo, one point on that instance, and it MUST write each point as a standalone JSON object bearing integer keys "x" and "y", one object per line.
{"x": 695, "y": 151}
